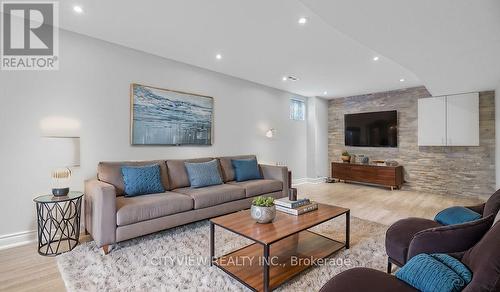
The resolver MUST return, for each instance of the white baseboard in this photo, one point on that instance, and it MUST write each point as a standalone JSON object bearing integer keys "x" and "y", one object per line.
{"x": 17, "y": 239}
{"x": 308, "y": 180}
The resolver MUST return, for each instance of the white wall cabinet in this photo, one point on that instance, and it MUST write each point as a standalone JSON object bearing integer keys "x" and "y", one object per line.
{"x": 462, "y": 120}
{"x": 451, "y": 120}
{"x": 432, "y": 121}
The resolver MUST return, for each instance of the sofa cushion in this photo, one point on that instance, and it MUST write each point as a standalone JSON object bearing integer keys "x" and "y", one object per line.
{"x": 213, "y": 195}
{"x": 227, "y": 167}
{"x": 177, "y": 173}
{"x": 203, "y": 174}
{"x": 483, "y": 259}
{"x": 427, "y": 273}
{"x": 142, "y": 180}
{"x": 111, "y": 173}
{"x": 259, "y": 186}
{"x": 135, "y": 209}
{"x": 246, "y": 169}
{"x": 456, "y": 215}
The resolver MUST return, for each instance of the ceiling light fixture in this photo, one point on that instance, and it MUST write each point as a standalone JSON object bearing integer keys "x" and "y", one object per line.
{"x": 375, "y": 58}
{"x": 325, "y": 92}
{"x": 78, "y": 9}
{"x": 218, "y": 56}
{"x": 402, "y": 80}
{"x": 302, "y": 20}
{"x": 290, "y": 78}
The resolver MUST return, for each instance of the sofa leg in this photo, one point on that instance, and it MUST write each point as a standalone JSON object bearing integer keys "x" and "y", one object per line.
{"x": 389, "y": 267}
{"x": 105, "y": 249}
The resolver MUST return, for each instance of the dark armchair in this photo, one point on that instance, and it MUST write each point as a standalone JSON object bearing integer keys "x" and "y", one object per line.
{"x": 483, "y": 260}
{"x": 409, "y": 237}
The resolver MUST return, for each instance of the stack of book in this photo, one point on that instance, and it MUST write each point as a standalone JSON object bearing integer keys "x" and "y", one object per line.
{"x": 296, "y": 208}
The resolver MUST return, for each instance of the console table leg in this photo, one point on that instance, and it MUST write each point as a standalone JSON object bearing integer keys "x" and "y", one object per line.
{"x": 266, "y": 268}
{"x": 347, "y": 228}
{"x": 212, "y": 242}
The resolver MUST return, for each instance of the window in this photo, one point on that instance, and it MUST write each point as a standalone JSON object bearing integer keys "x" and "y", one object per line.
{"x": 297, "y": 110}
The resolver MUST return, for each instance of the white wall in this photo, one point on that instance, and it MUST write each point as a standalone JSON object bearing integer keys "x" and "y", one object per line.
{"x": 321, "y": 129}
{"x": 497, "y": 135}
{"x": 92, "y": 87}
{"x": 317, "y": 138}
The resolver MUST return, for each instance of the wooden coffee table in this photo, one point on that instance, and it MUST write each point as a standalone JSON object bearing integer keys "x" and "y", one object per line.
{"x": 282, "y": 249}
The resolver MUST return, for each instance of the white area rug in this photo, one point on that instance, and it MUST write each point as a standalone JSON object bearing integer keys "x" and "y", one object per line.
{"x": 177, "y": 260}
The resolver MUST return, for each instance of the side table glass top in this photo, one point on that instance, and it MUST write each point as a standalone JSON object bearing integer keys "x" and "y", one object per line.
{"x": 53, "y": 199}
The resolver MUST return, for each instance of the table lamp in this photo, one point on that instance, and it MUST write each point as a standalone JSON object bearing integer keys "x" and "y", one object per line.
{"x": 64, "y": 153}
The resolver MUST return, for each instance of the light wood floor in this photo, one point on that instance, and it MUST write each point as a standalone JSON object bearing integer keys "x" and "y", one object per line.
{"x": 381, "y": 204}
{"x": 22, "y": 269}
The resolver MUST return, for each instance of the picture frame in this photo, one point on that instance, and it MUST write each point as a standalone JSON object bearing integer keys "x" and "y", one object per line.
{"x": 168, "y": 117}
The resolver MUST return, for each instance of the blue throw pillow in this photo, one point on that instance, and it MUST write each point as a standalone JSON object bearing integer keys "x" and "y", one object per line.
{"x": 455, "y": 265}
{"x": 142, "y": 180}
{"x": 246, "y": 169}
{"x": 203, "y": 174}
{"x": 428, "y": 273}
{"x": 456, "y": 215}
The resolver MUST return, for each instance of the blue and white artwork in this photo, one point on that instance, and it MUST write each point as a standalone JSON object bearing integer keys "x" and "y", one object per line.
{"x": 166, "y": 117}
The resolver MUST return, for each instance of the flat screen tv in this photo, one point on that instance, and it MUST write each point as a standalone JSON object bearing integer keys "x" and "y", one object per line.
{"x": 375, "y": 129}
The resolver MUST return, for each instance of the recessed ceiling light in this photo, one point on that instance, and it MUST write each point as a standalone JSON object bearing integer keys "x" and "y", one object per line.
{"x": 218, "y": 56}
{"x": 290, "y": 78}
{"x": 302, "y": 20}
{"x": 402, "y": 80}
{"x": 325, "y": 92}
{"x": 78, "y": 9}
{"x": 375, "y": 58}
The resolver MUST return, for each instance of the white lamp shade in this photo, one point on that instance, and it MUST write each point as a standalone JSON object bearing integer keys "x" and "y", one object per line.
{"x": 63, "y": 151}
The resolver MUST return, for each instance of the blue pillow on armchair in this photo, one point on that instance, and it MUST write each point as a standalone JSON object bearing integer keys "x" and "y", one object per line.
{"x": 456, "y": 215}
{"x": 435, "y": 273}
{"x": 246, "y": 169}
{"x": 142, "y": 180}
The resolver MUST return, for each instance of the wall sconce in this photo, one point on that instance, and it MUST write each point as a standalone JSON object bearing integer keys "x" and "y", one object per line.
{"x": 270, "y": 133}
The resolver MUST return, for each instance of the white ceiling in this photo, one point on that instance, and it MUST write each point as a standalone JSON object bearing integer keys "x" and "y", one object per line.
{"x": 453, "y": 46}
{"x": 260, "y": 41}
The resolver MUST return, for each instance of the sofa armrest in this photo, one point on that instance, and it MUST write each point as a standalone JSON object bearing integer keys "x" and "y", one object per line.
{"x": 478, "y": 208}
{"x": 277, "y": 173}
{"x": 100, "y": 211}
{"x": 449, "y": 239}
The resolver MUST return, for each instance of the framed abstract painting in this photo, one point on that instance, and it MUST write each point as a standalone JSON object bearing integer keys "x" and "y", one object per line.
{"x": 167, "y": 117}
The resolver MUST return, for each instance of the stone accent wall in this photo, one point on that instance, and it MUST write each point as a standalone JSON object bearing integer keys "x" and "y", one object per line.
{"x": 445, "y": 170}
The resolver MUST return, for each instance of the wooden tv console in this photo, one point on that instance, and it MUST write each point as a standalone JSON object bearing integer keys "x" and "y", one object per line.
{"x": 389, "y": 176}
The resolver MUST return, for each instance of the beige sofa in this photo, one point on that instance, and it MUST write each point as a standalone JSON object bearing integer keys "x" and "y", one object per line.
{"x": 110, "y": 217}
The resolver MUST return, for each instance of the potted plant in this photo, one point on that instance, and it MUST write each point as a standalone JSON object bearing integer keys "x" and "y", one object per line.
{"x": 263, "y": 209}
{"x": 346, "y": 157}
